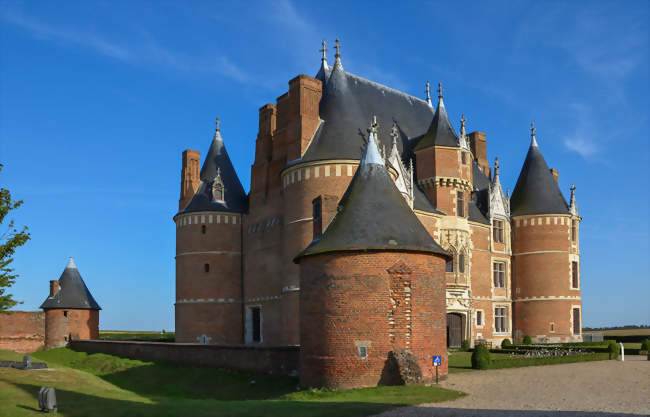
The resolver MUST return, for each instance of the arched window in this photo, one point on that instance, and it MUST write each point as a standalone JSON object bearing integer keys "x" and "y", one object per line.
{"x": 217, "y": 187}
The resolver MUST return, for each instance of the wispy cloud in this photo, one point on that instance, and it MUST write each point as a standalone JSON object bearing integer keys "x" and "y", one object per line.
{"x": 141, "y": 49}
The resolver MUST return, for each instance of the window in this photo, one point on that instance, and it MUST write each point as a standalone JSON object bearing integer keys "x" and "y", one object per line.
{"x": 499, "y": 273}
{"x": 574, "y": 230}
{"x": 464, "y": 158}
{"x": 203, "y": 229}
{"x": 574, "y": 275}
{"x": 500, "y": 320}
{"x": 461, "y": 263}
{"x": 497, "y": 231}
{"x": 449, "y": 266}
{"x": 551, "y": 327}
{"x": 256, "y": 316}
{"x": 576, "y": 321}
{"x": 363, "y": 352}
{"x": 65, "y": 313}
{"x": 460, "y": 204}
{"x": 479, "y": 317}
{"x": 317, "y": 208}
{"x": 206, "y": 267}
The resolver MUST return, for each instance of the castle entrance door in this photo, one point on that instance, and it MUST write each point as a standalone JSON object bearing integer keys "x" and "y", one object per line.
{"x": 454, "y": 329}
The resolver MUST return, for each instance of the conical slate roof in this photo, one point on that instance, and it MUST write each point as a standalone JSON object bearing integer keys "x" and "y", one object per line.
{"x": 440, "y": 132}
{"x": 536, "y": 191}
{"x": 72, "y": 293}
{"x": 373, "y": 215}
{"x": 347, "y": 101}
{"x": 218, "y": 162}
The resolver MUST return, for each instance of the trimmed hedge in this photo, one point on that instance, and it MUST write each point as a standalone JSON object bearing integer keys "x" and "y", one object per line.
{"x": 637, "y": 338}
{"x": 614, "y": 350}
{"x": 645, "y": 345}
{"x": 481, "y": 357}
{"x": 499, "y": 363}
{"x": 505, "y": 343}
{"x": 527, "y": 340}
{"x": 464, "y": 346}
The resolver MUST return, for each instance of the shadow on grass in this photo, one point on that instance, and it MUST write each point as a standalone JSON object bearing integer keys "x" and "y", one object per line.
{"x": 73, "y": 404}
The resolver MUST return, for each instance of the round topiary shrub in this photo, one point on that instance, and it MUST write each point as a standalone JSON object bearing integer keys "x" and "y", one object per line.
{"x": 645, "y": 345}
{"x": 527, "y": 340}
{"x": 505, "y": 343}
{"x": 614, "y": 350}
{"x": 480, "y": 357}
{"x": 464, "y": 346}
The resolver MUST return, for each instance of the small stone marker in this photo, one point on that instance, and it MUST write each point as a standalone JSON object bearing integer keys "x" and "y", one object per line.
{"x": 622, "y": 351}
{"x": 47, "y": 399}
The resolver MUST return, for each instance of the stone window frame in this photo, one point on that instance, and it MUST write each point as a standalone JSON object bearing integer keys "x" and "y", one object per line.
{"x": 505, "y": 273}
{"x": 476, "y": 314}
{"x": 507, "y": 317}
{"x": 460, "y": 204}
{"x": 498, "y": 237}
{"x": 574, "y": 258}
{"x": 579, "y": 308}
{"x": 363, "y": 346}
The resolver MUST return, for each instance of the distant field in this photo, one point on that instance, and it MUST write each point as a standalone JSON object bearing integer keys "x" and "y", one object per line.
{"x": 136, "y": 335}
{"x": 624, "y": 332}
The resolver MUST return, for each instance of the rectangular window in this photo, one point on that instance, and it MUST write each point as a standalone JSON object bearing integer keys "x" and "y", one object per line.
{"x": 499, "y": 274}
{"x": 497, "y": 231}
{"x": 449, "y": 266}
{"x": 551, "y": 327}
{"x": 500, "y": 320}
{"x": 363, "y": 352}
{"x": 479, "y": 318}
{"x": 576, "y": 321}
{"x": 256, "y": 318}
{"x": 574, "y": 275}
{"x": 460, "y": 204}
{"x": 206, "y": 267}
{"x": 464, "y": 158}
{"x": 574, "y": 230}
{"x": 317, "y": 208}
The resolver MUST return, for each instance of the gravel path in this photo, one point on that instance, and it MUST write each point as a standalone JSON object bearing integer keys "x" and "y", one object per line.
{"x": 598, "y": 389}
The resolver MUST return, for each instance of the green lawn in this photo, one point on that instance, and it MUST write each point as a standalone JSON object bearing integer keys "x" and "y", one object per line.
{"x": 105, "y": 385}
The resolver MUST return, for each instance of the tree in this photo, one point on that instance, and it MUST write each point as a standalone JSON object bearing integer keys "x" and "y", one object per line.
{"x": 10, "y": 239}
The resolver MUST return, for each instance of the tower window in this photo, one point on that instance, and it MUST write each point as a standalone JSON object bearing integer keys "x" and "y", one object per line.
{"x": 461, "y": 263}
{"x": 203, "y": 229}
{"x": 256, "y": 318}
{"x": 500, "y": 320}
{"x": 497, "y": 231}
{"x": 449, "y": 266}
{"x": 499, "y": 274}
{"x": 317, "y": 208}
{"x": 464, "y": 158}
{"x": 206, "y": 267}
{"x": 363, "y": 352}
{"x": 460, "y": 204}
{"x": 576, "y": 321}
{"x": 65, "y": 313}
{"x": 479, "y": 317}
{"x": 574, "y": 275}
{"x": 574, "y": 230}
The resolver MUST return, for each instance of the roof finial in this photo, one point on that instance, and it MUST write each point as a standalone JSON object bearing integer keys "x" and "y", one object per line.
{"x": 573, "y": 206}
{"x": 371, "y": 154}
{"x": 496, "y": 166}
{"x": 71, "y": 263}
{"x": 338, "y": 49}
{"x": 323, "y": 50}
{"x": 533, "y": 140}
{"x": 439, "y": 90}
{"x": 218, "y": 122}
{"x": 462, "y": 124}
{"x": 428, "y": 94}
{"x": 394, "y": 133}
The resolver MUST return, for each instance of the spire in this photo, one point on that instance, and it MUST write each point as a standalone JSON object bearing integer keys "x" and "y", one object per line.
{"x": 440, "y": 132}
{"x": 337, "y": 56}
{"x": 71, "y": 264}
{"x": 323, "y": 50}
{"x": 427, "y": 91}
{"x": 217, "y": 130}
{"x": 533, "y": 140}
{"x": 439, "y": 92}
{"x": 462, "y": 124}
{"x": 498, "y": 203}
{"x": 573, "y": 206}
{"x": 371, "y": 154}
{"x": 496, "y": 170}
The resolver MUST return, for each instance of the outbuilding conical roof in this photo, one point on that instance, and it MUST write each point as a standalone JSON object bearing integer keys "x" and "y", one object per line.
{"x": 373, "y": 215}
{"x": 536, "y": 191}
{"x": 72, "y": 293}
{"x": 218, "y": 170}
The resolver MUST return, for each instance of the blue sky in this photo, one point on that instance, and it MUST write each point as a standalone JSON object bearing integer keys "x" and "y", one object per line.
{"x": 99, "y": 99}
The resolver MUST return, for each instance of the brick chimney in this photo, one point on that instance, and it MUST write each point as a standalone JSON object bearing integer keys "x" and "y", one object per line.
{"x": 189, "y": 176}
{"x": 302, "y": 119}
{"x": 478, "y": 145}
{"x": 556, "y": 174}
{"x": 54, "y": 287}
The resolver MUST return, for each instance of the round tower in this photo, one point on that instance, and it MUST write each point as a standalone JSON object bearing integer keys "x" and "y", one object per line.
{"x": 546, "y": 298}
{"x": 371, "y": 286}
{"x": 71, "y": 312}
{"x": 208, "y": 305}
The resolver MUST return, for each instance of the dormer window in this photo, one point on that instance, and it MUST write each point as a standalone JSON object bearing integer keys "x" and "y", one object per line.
{"x": 460, "y": 204}
{"x": 217, "y": 187}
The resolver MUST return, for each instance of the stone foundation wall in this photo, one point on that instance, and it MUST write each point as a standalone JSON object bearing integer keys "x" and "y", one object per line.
{"x": 275, "y": 360}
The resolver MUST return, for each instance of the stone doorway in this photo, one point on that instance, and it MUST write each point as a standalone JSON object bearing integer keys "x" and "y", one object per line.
{"x": 454, "y": 329}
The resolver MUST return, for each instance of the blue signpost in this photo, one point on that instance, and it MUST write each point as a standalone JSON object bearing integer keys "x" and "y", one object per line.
{"x": 436, "y": 362}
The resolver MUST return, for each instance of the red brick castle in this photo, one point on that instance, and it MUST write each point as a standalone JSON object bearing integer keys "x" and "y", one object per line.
{"x": 371, "y": 226}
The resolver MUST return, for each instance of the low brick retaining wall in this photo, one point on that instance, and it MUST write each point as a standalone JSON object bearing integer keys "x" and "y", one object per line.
{"x": 275, "y": 360}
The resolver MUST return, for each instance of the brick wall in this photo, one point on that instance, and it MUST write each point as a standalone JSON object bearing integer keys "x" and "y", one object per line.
{"x": 348, "y": 300}
{"x": 22, "y": 331}
{"x": 276, "y": 360}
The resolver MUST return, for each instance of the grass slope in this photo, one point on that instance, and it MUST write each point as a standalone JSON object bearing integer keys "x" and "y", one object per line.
{"x": 105, "y": 385}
